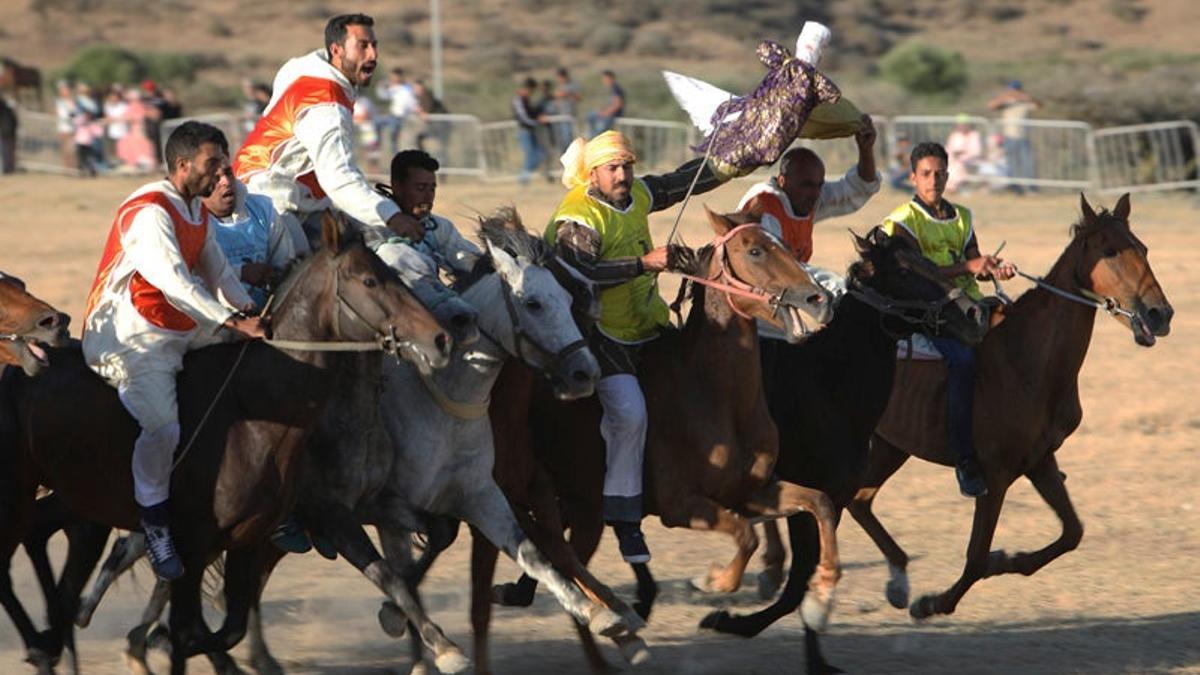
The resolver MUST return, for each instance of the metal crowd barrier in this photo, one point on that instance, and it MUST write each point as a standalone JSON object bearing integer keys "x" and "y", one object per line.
{"x": 39, "y": 149}
{"x": 229, "y": 123}
{"x": 1147, "y": 157}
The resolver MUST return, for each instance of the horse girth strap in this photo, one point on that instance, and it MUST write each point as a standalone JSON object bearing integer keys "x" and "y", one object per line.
{"x": 463, "y": 410}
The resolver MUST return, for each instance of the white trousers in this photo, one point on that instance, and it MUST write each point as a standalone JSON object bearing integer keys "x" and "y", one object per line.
{"x": 623, "y": 427}
{"x": 149, "y": 395}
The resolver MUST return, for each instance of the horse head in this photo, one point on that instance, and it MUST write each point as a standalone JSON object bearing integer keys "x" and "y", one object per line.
{"x": 535, "y": 321}
{"x": 344, "y": 292}
{"x": 749, "y": 257}
{"x": 1111, "y": 262}
{"x": 27, "y": 326}
{"x": 910, "y": 287}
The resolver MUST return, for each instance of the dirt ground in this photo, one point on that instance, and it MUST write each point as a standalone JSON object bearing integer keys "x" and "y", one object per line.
{"x": 1127, "y": 601}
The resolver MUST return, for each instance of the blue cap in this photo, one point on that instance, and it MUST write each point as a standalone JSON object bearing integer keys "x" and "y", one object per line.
{"x": 1015, "y": 84}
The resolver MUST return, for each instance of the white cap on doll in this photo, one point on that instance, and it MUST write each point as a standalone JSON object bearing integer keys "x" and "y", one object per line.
{"x": 813, "y": 37}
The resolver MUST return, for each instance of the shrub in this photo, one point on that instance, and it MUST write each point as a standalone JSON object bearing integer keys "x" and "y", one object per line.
{"x": 650, "y": 42}
{"x": 608, "y": 38}
{"x": 926, "y": 70}
{"x": 106, "y": 64}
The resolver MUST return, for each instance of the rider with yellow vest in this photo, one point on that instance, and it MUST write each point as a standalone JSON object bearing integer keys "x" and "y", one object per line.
{"x": 945, "y": 234}
{"x": 601, "y": 229}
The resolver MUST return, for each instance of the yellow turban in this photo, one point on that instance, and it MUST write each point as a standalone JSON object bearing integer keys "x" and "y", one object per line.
{"x": 583, "y": 156}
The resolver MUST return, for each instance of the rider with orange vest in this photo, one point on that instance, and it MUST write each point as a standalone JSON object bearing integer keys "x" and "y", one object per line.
{"x": 163, "y": 286}
{"x": 300, "y": 153}
{"x": 790, "y": 203}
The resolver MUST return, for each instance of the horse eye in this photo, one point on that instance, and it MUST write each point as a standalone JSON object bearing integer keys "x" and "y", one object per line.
{"x": 370, "y": 282}
{"x": 1110, "y": 252}
{"x": 755, "y": 252}
{"x": 533, "y": 305}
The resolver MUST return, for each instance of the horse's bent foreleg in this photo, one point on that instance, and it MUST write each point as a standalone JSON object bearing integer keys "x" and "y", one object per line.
{"x": 341, "y": 526}
{"x": 397, "y": 549}
{"x": 698, "y": 512}
{"x": 771, "y": 578}
{"x": 883, "y": 461}
{"x": 1048, "y": 481}
{"x": 137, "y": 640}
{"x": 987, "y": 513}
{"x": 125, "y": 552}
{"x": 491, "y": 514}
{"x": 483, "y": 571}
{"x": 782, "y": 498}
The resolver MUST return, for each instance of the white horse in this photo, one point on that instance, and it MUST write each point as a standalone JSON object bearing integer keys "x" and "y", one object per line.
{"x": 442, "y": 447}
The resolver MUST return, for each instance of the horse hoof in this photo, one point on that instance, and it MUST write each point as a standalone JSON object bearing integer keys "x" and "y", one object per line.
{"x": 606, "y": 622}
{"x": 708, "y": 583}
{"x": 451, "y": 661}
{"x": 393, "y": 620}
{"x": 922, "y": 608}
{"x": 633, "y": 649}
{"x": 714, "y": 620}
{"x": 419, "y": 669}
{"x": 136, "y": 665}
{"x": 815, "y": 609}
{"x": 768, "y": 586}
{"x": 510, "y": 595}
{"x": 897, "y": 589}
{"x": 41, "y": 660}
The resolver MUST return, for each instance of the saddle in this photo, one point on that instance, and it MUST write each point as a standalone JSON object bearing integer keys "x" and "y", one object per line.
{"x": 918, "y": 347}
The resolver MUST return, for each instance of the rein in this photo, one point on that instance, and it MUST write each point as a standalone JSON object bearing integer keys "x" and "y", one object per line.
{"x": 726, "y": 281}
{"x": 930, "y": 310}
{"x": 1085, "y": 297}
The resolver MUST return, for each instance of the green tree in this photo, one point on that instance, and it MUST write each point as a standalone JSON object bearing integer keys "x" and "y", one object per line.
{"x": 926, "y": 70}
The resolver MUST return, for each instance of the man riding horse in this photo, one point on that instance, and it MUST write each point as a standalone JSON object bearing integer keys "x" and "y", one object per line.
{"x": 155, "y": 296}
{"x": 601, "y": 229}
{"x": 945, "y": 233}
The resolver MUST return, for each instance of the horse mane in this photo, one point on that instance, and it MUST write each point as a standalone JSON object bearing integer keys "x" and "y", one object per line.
{"x": 503, "y": 229}
{"x": 1104, "y": 218}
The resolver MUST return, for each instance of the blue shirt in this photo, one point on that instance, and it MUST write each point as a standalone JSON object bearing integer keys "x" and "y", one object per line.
{"x": 246, "y": 239}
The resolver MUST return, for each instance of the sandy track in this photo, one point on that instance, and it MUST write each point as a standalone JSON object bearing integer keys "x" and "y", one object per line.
{"x": 1127, "y": 601}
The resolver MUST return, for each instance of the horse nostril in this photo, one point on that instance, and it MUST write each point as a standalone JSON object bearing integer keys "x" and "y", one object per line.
{"x": 1157, "y": 318}
{"x": 50, "y": 321}
{"x": 580, "y": 376}
{"x": 442, "y": 341}
{"x": 461, "y": 320}
{"x": 815, "y": 299}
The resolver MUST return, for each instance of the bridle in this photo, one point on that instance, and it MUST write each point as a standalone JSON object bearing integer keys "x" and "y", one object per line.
{"x": 388, "y": 342}
{"x": 550, "y": 358}
{"x": 924, "y": 313}
{"x": 723, "y": 279}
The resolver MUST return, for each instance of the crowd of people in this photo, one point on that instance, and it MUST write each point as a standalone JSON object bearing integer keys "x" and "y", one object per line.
{"x": 114, "y": 128}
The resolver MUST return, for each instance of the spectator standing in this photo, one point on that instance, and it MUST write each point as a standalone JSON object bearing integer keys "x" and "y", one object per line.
{"x": 547, "y": 106}
{"x": 566, "y": 102}
{"x": 89, "y": 131}
{"x": 85, "y": 102}
{"x": 135, "y": 149}
{"x": 528, "y": 120}
{"x": 64, "y": 113}
{"x": 438, "y": 130}
{"x": 897, "y": 171}
{"x": 964, "y": 146}
{"x": 402, "y": 106}
{"x": 114, "y": 121}
{"x": 153, "y": 102}
{"x": 170, "y": 107}
{"x": 600, "y": 121}
{"x": 8, "y": 137}
{"x": 1014, "y": 105}
{"x": 366, "y": 124}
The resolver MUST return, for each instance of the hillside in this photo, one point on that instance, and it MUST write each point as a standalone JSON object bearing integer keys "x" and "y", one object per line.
{"x": 1102, "y": 59}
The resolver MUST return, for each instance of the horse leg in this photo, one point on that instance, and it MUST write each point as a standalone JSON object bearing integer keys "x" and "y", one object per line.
{"x": 17, "y": 498}
{"x": 260, "y": 656}
{"x": 398, "y": 552}
{"x": 1048, "y": 481}
{"x": 587, "y": 527}
{"x": 546, "y": 531}
{"x": 38, "y": 648}
{"x": 137, "y": 640}
{"x": 883, "y": 461}
{"x": 483, "y": 570}
{"x": 771, "y": 578}
{"x": 804, "y": 538}
{"x": 125, "y": 552}
{"x": 86, "y": 542}
{"x": 701, "y": 513}
{"x": 987, "y": 513}
{"x": 188, "y": 630}
{"x": 491, "y": 514}
{"x": 781, "y": 498}
{"x": 341, "y": 526}
{"x": 49, "y": 517}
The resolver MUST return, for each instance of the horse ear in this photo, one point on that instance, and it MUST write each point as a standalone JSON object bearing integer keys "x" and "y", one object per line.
{"x": 331, "y": 231}
{"x": 1089, "y": 214}
{"x": 720, "y": 224}
{"x": 1122, "y": 208}
{"x": 861, "y": 244}
{"x": 506, "y": 265}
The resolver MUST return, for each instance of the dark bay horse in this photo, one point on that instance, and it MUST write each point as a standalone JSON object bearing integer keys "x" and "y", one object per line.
{"x": 711, "y": 473}
{"x": 1027, "y": 399}
{"x": 827, "y": 393}
{"x": 27, "y": 327}
{"x": 245, "y": 411}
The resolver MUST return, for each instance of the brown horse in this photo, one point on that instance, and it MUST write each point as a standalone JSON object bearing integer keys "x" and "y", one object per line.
{"x": 1027, "y": 399}
{"x": 713, "y": 473}
{"x": 245, "y": 426}
{"x": 27, "y": 326}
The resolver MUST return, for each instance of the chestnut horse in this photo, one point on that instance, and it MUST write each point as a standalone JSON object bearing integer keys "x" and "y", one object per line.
{"x": 711, "y": 473}
{"x": 27, "y": 326}
{"x": 827, "y": 393}
{"x": 1027, "y": 399}
{"x": 244, "y": 428}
